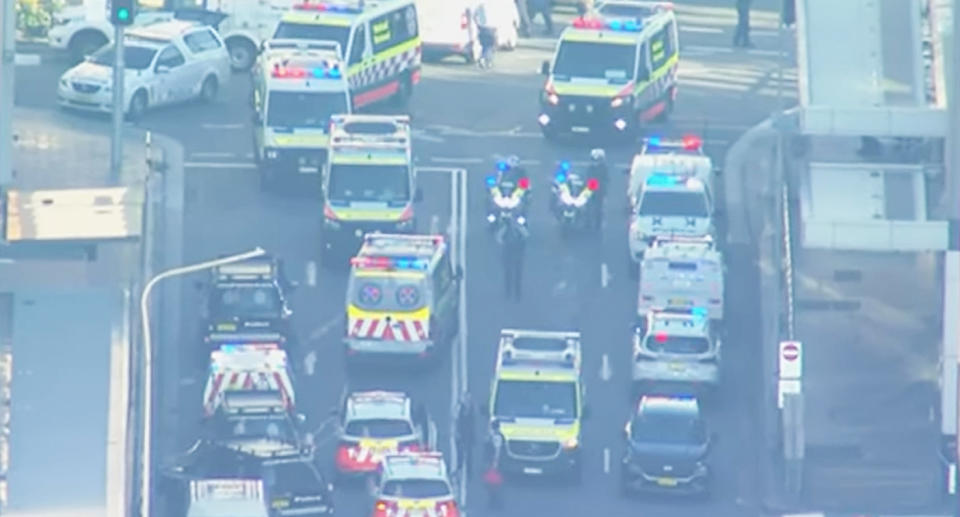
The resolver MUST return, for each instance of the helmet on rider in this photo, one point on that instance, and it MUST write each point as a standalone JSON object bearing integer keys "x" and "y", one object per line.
{"x": 598, "y": 155}
{"x": 513, "y": 161}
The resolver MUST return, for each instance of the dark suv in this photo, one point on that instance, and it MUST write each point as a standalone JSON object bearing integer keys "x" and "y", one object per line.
{"x": 667, "y": 444}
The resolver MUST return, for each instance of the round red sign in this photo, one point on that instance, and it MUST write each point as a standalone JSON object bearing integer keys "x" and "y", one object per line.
{"x": 791, "y": 352}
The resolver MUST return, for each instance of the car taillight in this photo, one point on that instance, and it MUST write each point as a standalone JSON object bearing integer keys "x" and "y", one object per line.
{"x": 382, "y": 508}
{"x": 410, "y": 447}
{"x": 447, "y": 509}
{"x": 329, "y": 213}
{"x": 343, "y": 456}
{"x": 464, "y": 21}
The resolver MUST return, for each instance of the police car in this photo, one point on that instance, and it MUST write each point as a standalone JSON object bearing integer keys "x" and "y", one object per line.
{"x": 667, "y": 445}
{"x": 370, "y": 183}
{"x": 415, "y": 485}
{"x": 377, "y": 423}
{"x": 676, "y": 350}
{"x": 402, "y": 297}
{"x": 682, "y": 272}
{"x": 538, "y": 398}
{"x": 671, "y": 194}
{"x": 247, "y": 297}
{"x": 167, "y": 62}
{"x": 249, "y": 402}
{"x": 612, "y": 74}
{"x": 297, "y": 86}
{"x": 380, "y": 40}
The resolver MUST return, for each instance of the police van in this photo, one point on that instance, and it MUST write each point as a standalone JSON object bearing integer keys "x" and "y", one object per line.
{"x": 671, "y": 194}
{"x": 682, "y": 272}
{"x": 369, "y": 182}
{"x": 403, "y": 298}
{"x": 380, "y": 40}
{"x": 539, "y": 399}
{"x": 612, "y": 74}
{"x": 297, "y": 86}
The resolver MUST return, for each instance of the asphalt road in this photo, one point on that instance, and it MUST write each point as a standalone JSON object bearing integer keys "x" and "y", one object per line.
{"x": 464, "y": 118}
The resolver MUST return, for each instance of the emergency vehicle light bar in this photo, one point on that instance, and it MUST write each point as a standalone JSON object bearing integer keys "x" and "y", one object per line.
{"x": 378, "y": 396}
{"x": 665, "y": 179}
{"x": 233, "y": 348}
{"x": 388, "y": 263}
{"x": 327, "y": 71}
{"x": 267, "y": 360}
{"x": 700, "y": 312}
{"x": 689, "y": 142}
{"x": 418, "y": 458}
{"x": 660, "y": 240}
{"x": 672, "y": 401}
{"x": 245, "y": 338}
{"x": 614, "y": 25}
{"x": 301, "y": 44}
{"x": 330, "y": 8}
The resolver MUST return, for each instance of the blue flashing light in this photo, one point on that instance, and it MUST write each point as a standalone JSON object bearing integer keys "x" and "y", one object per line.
{"x": 231, "y": 348}
{"x": 616, "y": 25}
{"x": 561, "y": 177}
{"x": 410, "y": 263}
{"x": 502, "y": 166}
{"x": 565, "y": 165}
{"x": 631, "y": 25}
{"x": 491, "y": 181}
{"x": 662, "y": 180}
{"x": 334, "y": 73}
{"x": 699, "y": 311}
{"x": 654, "y": 141}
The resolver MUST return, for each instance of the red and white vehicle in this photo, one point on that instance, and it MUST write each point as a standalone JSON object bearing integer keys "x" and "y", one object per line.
{"x": 415, "y": 485}
{"x": 375, "y": 424}
{"x": 237, "y": 371}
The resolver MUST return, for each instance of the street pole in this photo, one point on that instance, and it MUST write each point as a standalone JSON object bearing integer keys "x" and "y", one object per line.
{"x": 952, "y": 71}
{"x": 116, "y": 140}
{"x": 8, "y": 31}
{"x": 147, "y": 445}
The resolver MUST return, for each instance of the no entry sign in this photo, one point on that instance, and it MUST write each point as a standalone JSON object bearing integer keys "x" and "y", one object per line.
{"x": 791, "y": 360}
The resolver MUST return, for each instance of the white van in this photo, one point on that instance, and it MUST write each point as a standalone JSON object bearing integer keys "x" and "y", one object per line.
{"x": 685, "y": 273}
{"x": 447, "y": 27}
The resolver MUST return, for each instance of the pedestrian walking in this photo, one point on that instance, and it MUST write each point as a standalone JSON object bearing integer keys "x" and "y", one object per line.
{"x": 512, "y": 239}
{"x": 525, "y": 24}
{"x": 486, "y": 34}
{"x": 465, "y": 427}
{"x": 543, "y": 8}
{"x": 741, "y": 37}
{"x": 492, "y": 478}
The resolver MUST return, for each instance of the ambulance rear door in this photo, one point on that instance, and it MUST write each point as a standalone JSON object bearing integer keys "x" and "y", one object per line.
{"x": 681, "y": 282}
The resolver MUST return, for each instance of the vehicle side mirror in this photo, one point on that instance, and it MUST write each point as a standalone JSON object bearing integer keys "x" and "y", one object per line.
{"x": 545, "y": 68}
{"x": 418, "y": 195}
{"x": 162, "y": 69}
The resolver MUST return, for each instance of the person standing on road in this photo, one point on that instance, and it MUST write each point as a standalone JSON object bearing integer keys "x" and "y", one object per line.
{"x": 741, "y": 37}
{"x": 543, "y": 7}
{"x": 486, "y": 34}
{"x": 465, "y": 434}
{"x": 492, "y": 477}
{"x": 512, "y": 239}
{"x": 525, "y": 23}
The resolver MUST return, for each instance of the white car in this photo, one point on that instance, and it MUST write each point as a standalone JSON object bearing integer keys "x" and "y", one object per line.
{"x": 167, "y": 62}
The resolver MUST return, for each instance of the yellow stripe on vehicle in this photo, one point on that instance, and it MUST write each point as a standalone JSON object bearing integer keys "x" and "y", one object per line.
{"x": 543, "y": 376}
{"x": 658, "y": 73}
{"x": 350, "y": 214}
{"x": 354, "y": 312}
{"x": 599, "y": 37}
{"x": 296, "y": 140}
{"x": 559, "y": 433}
{"x": 317, "y": 19}
{"x": 587, "y": 90}
{"x": 367, "y": 159}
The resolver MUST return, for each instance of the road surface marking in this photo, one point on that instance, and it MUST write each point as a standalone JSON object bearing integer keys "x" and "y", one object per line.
{"x": 706, "y": 50}
{"x": 432, "y": 435}
{"x": 701, "y": 29}
{"x": 311, "y": 273}
{"x": 322, "y": 330}
{"x": 606, "y": 373}
{"x": 310, "y": 363}
{"x": 442, "y": 159}
{"x": 7, "y": 261}
{"x": 223, "y": 126}
{"x": 606, "y": 460}
{"x": 212, "y": 155}
{"x": 420, "y": 135}
{"x": 219, "y": 165}
{"x": 604, "y": 275}
{"x": 26, "y": 59}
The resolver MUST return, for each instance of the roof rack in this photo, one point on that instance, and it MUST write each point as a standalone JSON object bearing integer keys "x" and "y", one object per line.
{"x": 247, "y": 271}
{"x": 302, "y": 45}
{"x": 415, "y": 458}
{"x": 401, "y": 244}
{"x": 685, "y": 401}
{"x": 365, "y": 131}
{"x": 693, "y": 247}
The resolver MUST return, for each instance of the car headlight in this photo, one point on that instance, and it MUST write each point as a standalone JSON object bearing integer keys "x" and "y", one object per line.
{"x": 271, "y": 154}
{"x": 551, "y": 98}
{"x": 570, "y": 444}
{"x": 616, "y": 102}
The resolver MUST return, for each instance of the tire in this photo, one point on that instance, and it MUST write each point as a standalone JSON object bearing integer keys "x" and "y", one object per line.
{"x": 209, "y": 89}
{"x": 138, "y": 106}
{"x": 242, "y": 54}
{"x": 85, "y": 43}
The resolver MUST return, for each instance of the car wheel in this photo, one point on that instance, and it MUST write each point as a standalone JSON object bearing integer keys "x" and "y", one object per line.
{"x": 138, "y": 105}
{"x": 86, "y": 43}
{"x": 208, "y": 91}
{"x": 242, "y": 54}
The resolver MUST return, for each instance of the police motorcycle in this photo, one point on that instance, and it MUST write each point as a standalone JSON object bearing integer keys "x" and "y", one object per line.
{"x": 573, "y": 199}
{"x": 509, "y": 194}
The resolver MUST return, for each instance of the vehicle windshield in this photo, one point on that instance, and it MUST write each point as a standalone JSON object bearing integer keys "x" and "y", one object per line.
{"x": 134, "y": 57}
{"x": 369, "y": 183}
{"x": 304, "y": 109}
{"x": 378, "y": 428}
{"x": 416, "y": 488}
{"x": 248, "y": 302}
{"x": 388, "y": 293}
{"x": 535, "y": 399}
{"x": 673, "y": 204}
{"x": 667, "y": 428}
{"x": 290, "y": 30}
{"x": 234, "y": 428}
{"x": 678, "y": 344}
{"x": 613, "y": 62}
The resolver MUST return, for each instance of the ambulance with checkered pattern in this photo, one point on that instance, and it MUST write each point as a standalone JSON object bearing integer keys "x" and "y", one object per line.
{"x": 375, "y": 424}
{"x": 380, "y": 41}
{"x": 402, "y": 297}
{"x": 612, "y": 72}
{"x": 415, "y": 485}
{"x": 297, "y": 86}
{"x": 682, "y": 272}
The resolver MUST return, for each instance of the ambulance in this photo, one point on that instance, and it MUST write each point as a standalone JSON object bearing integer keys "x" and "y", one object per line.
{"x": 682, "y": 272}
{"x": 298, "y": 86}
{"x": 369, "y": 183}
{"x": 403, "y": 298}
{"x": 612, "y": 74}
{"x": 539, "y": 399}
{"x": 249, "y": 402}
{"x": 380, "y": 40}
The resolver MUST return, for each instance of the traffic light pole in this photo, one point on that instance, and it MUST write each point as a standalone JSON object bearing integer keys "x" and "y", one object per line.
{"x": 116, "y": 141}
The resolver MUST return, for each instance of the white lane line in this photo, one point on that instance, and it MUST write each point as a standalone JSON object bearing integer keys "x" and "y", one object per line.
{"x": 442, "y": 159}
{"x": 606, "y": 373}
{"x": 419, "y": 135}
{"x": 219, "y": 165}
{"x": 454, "y": 368}
{"x": 605, "y": 275}
{"x": 26, "y": 59}
{"x": 212, "y": 155}
{"x": 223, "y": 126}
{"x": 713, "y": 50}
{"x": 310, "y": 363}
{"x": 311, "y": 273}
{"x": 702, "y": 30}
{"x": 606, "y": 460}
{"x": 322, "y": 330}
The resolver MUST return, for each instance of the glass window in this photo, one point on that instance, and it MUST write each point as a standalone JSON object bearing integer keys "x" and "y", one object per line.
{"x": 384, "y": 294}
{"x": 201, "y": 41}
{"x": 610, "y": 61}
{"x": 312, "y": 31}
{"x": 297, "y": 476}
{"x": 378, "y": 428}
{"x": 304, "y": 109}
{"x": 643, "y": 67}
{"x": 416, "y": 488}
{"x": 369, "y": 183}
{"x": 359, "y": 44}
{"x": 134, "y": 57}
{"x": 667, "y": 428}
{"x": 248, "y": 301}
{"x": 535, "y": 399}
{"x": 673, "y": 204}
{"x": 678, "y": 344}
{"x": 170, "y": 57}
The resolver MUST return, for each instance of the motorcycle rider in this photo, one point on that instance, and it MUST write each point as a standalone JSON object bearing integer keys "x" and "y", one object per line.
{"x": 598, "y": 170}
{"x": 508, "y": 179}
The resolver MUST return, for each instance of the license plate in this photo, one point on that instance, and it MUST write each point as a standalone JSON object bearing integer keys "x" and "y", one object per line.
{"x": 678, "y": 367}
{"x": 226, "y": 327}
{"x": 532, "y": 470}
{"x": 580, "y": 129}
{"x": 667, "y": 482}
{"x": 309, "y": 170}
{"x": 678, "y": 301}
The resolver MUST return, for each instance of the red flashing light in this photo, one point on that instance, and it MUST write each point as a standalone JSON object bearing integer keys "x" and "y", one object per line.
{"x": 588, "y": 23}
{"x": 382, "y": 508}
{"x": 692, "y": 142}
{"x": 660, "y": 337}
{"x": 328, "y": 213}
{"x": 524, "y": 183}
{"x": 447, "y": 509}
{"x": 307, "y": 6}
{"x": 593, "y": 184}
{"x": 407, "y": 213}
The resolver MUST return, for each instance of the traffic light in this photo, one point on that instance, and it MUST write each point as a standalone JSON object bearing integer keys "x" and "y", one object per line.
{"x": 122, "y": 11}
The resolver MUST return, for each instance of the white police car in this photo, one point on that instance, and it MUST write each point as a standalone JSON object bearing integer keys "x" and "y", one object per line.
{"x": 166, "y": 62}
{"x": 676, "y": 351}
{"x": 415, "y": 484}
